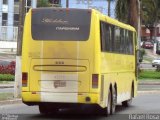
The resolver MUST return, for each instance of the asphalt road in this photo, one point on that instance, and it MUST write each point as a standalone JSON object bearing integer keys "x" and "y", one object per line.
{"x": 144, "y": 104}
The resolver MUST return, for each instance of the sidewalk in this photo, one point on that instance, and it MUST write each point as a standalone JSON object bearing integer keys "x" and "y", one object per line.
{"x": 149, "y": 82}
{"x": 151, "y": 54}
{"x": 7, "y": 85}
{"x": 13, "y": 101}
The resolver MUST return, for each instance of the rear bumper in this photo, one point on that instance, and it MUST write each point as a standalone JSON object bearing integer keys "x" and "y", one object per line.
{"x": 39, "y": 97}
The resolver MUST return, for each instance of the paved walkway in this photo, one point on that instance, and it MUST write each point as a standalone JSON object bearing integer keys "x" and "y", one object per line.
{"x": 7, "y": 85}
{"x": 151, "y": 54}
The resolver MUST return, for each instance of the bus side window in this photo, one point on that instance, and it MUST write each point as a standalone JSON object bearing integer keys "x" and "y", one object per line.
{"x": 103, "y": 36}
{"x": 126, "y": 42}
{"x": 131, "y": 42}
{"x": 122, "y": 41}
{"x": 109, "y": 35}
{"x": 117, "y": 40}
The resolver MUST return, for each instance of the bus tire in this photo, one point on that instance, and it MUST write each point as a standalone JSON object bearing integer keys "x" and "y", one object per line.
{"x": 113, "y": 101}
{"x": 109, "y": 103}
{"x": 128, "y": 103}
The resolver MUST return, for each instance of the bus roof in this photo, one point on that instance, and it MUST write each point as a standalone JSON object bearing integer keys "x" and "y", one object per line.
{"x": 114, "y": 21}
{"x": 102, "y": 17}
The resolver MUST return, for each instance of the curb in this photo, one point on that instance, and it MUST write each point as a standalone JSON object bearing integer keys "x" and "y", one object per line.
{"x": 149, "y": 82}
{"x": 153, "y": 83}
{"x": 14, "y": 101}
{"x": 6, "y": 86}
{"x": 152, "y": 91}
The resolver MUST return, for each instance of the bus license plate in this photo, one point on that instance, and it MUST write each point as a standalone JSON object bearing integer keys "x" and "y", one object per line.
{"x": 59, "y": 83}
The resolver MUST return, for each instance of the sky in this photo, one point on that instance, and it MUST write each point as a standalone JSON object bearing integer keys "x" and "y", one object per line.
{"x": 100, "y": 5}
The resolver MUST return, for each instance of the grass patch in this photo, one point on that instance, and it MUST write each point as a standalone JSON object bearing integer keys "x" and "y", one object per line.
{"x": 149, "y": 75}
{"x": 6, "y": 96}
{"x": 6, "y": 77}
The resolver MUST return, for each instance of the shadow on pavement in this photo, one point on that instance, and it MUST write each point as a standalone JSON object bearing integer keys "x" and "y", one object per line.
{"x": 70, "y": 114}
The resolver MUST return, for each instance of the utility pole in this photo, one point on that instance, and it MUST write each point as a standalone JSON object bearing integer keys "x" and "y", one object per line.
{"x": 18, "y": 77}
{"x": 138, "y": 37}
{"x": 109, "y": 7}
{"x": 139, "y": 23}
{"x": 67, "y": 3}
{"x": 1, "y": 3}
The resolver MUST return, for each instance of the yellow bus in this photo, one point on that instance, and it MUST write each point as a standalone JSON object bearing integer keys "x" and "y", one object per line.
{"x": 77, "y": 57}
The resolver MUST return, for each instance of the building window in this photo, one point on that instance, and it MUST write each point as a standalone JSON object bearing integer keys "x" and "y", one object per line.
{"x": 28, "y": 5}
{"x": 4, "y": 19}
{"x": 16, "y": 19}
{"x": 5, "y": 1}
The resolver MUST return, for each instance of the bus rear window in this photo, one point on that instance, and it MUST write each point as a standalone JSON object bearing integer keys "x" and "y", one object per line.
{"x": 61, "y": 24}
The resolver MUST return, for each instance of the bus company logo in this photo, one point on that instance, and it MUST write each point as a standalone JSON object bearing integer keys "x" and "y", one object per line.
{"x": 55, "y": 21}
{"x": 59, "y": 83}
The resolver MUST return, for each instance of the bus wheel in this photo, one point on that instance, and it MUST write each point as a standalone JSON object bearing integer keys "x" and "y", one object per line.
{"x": 43, "y": 109}
{"x": 113, "y": 101}
{"x": 109, "y": 104}
{"x": 128, "y": 103}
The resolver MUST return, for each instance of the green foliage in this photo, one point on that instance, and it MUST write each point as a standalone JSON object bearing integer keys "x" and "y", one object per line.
{"x": 43, "y": 3}
{"x": 127, "y": 11}
{"x": 150, "y": 12}
{"x": 142, "y": 52}
{"x": 149, "y": 75}
{"x": 6, "y": 77}
{"x": 122, "y": 10}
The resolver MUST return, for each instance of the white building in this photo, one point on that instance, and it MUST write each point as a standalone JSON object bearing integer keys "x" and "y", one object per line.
{"x": 9, "y": 18}
{"x": 9, "y": 13}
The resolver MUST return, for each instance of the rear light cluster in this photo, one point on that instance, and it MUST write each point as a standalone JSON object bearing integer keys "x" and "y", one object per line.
{"x": 24, "y": 79}
{"x": 95, "y": 78}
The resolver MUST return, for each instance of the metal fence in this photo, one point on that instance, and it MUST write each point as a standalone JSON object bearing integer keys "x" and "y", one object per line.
{"x": 3, "y": 33}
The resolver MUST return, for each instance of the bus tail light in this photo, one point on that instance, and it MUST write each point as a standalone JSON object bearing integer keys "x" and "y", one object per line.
{"x": 24, "y": 79}
{"x": 95, "y": 80}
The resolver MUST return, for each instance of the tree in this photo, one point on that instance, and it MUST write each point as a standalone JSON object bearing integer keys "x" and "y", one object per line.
{"x": 43, "y": 3}
{"x": 150, "y": 14}
{"x": 127, "y": 12}
{"x": 109, "y": 7}
{"x": 49, "y": 3}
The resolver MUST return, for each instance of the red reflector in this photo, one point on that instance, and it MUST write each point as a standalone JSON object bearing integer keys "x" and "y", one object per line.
{"x": 24, "y": 79}
{"x": 95, "y": 81}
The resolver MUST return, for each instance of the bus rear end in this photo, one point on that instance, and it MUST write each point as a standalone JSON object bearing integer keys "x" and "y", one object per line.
{"x": 58, "y": 56}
